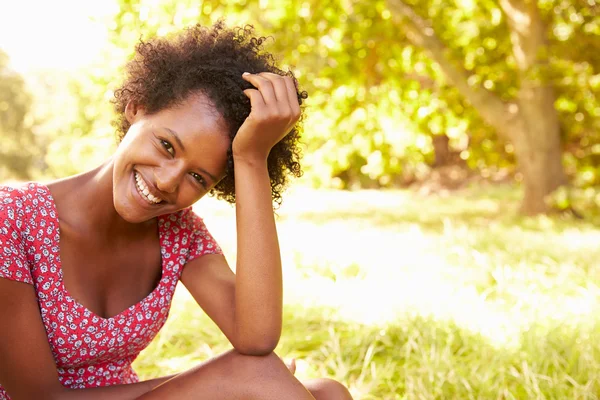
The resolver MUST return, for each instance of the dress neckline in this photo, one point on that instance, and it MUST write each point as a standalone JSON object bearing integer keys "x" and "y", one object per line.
{"x": 58, "y": 262}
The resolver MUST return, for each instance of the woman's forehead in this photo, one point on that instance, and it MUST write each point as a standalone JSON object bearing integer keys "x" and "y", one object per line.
{"x": 195, "y": 114}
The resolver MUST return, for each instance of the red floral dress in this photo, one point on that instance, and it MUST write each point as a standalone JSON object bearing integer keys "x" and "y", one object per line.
{"x": 89, "y": 350}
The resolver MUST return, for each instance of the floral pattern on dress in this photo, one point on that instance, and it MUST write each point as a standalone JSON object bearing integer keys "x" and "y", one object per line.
{"x": 89, "y": 350}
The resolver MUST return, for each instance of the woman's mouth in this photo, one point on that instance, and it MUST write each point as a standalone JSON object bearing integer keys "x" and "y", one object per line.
{"x": 143, "y": 190}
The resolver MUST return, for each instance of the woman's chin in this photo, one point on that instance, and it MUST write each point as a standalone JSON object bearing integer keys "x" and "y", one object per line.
{"x": 130, "y": 215}
{"x": 132, "y": 212}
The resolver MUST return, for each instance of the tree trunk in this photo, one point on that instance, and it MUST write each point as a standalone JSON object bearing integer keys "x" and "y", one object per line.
{"x": 537, "y": 146}
{"x": 531, "y": 123}
{"x": 542, "y": 170}
{"x": 441, "y": 150}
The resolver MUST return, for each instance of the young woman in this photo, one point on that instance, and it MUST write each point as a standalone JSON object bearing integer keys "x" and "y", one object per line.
{"x": 89, "y": 263}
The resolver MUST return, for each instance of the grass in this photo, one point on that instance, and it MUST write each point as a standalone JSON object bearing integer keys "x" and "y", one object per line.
{"x": 408, "y": 297}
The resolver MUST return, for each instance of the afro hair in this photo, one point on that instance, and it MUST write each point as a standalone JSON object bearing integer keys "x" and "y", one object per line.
{"x": 210, "y": 60}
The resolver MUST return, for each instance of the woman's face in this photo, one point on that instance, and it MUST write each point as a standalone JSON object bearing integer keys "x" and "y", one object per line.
{"x": 168, "y": 160}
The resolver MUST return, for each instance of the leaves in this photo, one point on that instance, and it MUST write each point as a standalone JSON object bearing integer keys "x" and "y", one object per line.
{"x": 376, "y": 100}
{"x": 18, "y": 149}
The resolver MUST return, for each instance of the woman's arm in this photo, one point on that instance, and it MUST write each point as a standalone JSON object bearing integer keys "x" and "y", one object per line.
{"x": 27, "y": 368}
{"x": 258, "y": 287}
{"x": 247, "y": 306}
{"x": 259, "y": 291}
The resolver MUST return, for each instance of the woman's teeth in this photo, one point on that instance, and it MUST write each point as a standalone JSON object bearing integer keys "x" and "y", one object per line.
{"x": 143, "y": 190}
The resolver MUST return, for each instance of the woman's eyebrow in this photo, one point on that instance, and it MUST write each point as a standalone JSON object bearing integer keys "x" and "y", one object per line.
{"x": 175, "y": 136}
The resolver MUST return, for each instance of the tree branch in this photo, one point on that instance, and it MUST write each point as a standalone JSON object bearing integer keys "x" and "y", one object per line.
{"x": 527, "y": 33}
{"x": 536, "y": 94}
{"x": 502, "y": 116}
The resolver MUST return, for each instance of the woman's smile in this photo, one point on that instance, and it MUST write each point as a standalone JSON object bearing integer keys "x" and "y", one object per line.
{"x": 145, "y": 191}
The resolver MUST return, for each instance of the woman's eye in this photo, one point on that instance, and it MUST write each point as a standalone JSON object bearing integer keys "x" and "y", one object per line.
{"x": 168, "y": 147}
{"x": 199, "y": 178}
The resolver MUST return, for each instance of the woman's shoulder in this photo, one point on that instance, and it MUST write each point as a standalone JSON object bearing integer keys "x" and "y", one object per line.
{"x": 189, "y": 225}
{"x": 22, "y": 188}
{"x": 185, "y": 219}
{"x": 24, "y": 209}
{"x": 24, "y": 199}
{"x": 12, "y": 192}
{"x": 17, "y": 195}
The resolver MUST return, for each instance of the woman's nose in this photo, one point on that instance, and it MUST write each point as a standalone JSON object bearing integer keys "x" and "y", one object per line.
{"x": 167, "y": 179}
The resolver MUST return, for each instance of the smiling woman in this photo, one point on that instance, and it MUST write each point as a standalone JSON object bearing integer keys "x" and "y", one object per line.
{"x": 89, "y": 263}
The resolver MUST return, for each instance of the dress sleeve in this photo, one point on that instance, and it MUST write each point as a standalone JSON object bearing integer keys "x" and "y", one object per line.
{"x": 202, "y": 242}
{"x": 14, "y": 264}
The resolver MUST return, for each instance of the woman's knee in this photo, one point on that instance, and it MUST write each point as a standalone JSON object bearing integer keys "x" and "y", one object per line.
{"x": 267, "y": 377}
{"x": 268, "y": 366}
{"x": 269, "y": 370}
{"x": 235, "y": 375}
{"x": 327, "y": 389}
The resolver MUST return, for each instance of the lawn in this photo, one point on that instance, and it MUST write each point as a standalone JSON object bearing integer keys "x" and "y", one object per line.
{"x": 401, "y": 296}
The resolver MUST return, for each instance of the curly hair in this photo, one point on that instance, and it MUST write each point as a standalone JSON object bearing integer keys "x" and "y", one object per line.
{"x": 166, "y": 71}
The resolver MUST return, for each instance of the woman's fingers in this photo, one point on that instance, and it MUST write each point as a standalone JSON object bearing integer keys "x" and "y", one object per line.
{"x": 264, "y": 86}
{"x": 279, "y": 86}
{"x": 279, "y": 98}
{"x": 292, "y": 96}
{"x": 256, "y": 98}
{"x": 287, "y": 98}
{"x": 274, "y": 111}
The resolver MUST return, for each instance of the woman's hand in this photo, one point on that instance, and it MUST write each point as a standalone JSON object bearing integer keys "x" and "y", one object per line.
{"x": 275, "y": 110}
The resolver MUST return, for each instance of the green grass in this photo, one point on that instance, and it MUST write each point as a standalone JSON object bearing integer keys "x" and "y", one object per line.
{"x": 408, "y": 297}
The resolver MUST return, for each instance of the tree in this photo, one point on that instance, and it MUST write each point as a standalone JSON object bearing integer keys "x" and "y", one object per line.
{"x": 527, "y": 70}
{"x": 381, "y": 106}
{"x": 18, "y": 149}
{"x": 530, "y": 121}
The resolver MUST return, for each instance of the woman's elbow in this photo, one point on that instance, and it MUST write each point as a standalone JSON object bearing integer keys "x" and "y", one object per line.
{"x": 257, "y": 347}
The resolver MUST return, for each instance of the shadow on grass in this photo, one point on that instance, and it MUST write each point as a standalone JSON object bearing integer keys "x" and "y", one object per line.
{"x": 476, "y": 207}
{"x": 383, "y": 218}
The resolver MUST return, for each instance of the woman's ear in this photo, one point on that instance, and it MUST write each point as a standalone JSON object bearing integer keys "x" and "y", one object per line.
{"x": 132, "y": 112}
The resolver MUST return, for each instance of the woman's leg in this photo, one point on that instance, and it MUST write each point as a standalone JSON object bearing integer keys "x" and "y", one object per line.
{"x": 327, "y": 389}
{"x": 235, "y": 376}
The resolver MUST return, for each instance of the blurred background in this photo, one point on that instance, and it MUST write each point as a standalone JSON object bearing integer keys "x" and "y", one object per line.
{"x": 443, "y": 241}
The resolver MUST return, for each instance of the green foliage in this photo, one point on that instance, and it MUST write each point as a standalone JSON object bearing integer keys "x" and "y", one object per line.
{"x": 381, "y": 100}
{"x": 376, "y": 101}
{"x": 575, "y": 33}
{"x": 18, "y": 148}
